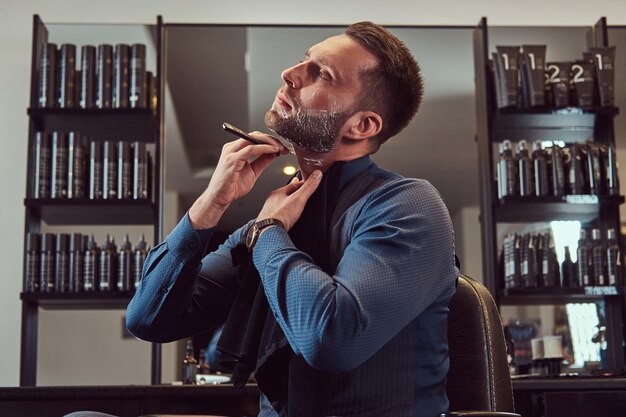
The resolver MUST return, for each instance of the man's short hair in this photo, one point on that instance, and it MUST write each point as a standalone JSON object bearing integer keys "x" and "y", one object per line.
{"x": 394, "y": 87}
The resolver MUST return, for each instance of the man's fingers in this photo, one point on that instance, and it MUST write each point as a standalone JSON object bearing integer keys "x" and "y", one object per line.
{"x": 310, "y": 185}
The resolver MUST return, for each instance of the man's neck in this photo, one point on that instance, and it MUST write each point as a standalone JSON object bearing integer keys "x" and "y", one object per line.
{"x": 309, "y": 161}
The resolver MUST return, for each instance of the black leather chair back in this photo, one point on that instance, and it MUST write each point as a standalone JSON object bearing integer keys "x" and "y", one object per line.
{"x": 479, "y": 377}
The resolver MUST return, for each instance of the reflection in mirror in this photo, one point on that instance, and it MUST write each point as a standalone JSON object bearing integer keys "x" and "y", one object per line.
{"x": 556, "y": 338}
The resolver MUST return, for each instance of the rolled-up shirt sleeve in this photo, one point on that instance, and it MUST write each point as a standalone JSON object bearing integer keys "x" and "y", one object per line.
{"x": 181, "y": 293}
{"x": 399, "y": 260}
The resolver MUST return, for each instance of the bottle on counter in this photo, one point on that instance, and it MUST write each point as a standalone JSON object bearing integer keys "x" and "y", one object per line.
{"x": 190, "y": 365}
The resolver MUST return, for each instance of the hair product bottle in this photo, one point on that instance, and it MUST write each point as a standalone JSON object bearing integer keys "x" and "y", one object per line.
{"x": 92, "y": 255}
{"x": 598, "y": 258}
{"x": 125, "y": 266}
{"x": 46, "y": 277}
{"x": 140, "y": 171}
{"x": 104, "y": 76}
{"x": 67, "y": 67}
{"x": 109, "y": 171}
{"x": 137, "y": 97}
{"x": 108, "y": 265}
{"x": 540, "y": 169}
{"x": 190, "y": 365}
{"x": 95, "y": 170}
{"x": 525, "y": 169}
{"x": 59, "y": 165}
{"x": 48, "y": 76}
{"x": 76, "y": 263}
{"x": 583, "y": 263}
{"x": 121, "y": 76}
{"x": 507, "y": 171}
{"x": 141, "y": 251}
{"x": 43, "y": 162}
{"x": 32, "y": 262}
{"x": 613, "y": 259}
{"x": 124, "y": 171}
{"x": 87, "y": 76}
{"x": 77, "y": 164}
{"x": 62, "y": 263}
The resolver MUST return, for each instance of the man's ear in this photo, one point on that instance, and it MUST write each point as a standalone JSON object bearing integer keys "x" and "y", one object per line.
{"x": 364, "y": 125}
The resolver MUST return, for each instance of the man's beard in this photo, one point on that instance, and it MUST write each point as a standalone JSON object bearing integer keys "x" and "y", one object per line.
{"x": 315, "y": 131}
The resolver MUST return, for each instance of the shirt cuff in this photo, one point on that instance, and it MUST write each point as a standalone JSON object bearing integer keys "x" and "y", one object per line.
{"x": 184, "y": 241}
{"x": 271, "y": 240}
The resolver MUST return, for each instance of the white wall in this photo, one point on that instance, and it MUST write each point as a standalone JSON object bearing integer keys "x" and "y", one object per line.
{"x": 15, "y": 44}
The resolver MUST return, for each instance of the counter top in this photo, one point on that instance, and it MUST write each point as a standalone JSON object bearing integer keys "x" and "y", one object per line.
{"x": 126, "y": 391}
{"x": 130, "y": 400}
{"x": 567, "y": 383}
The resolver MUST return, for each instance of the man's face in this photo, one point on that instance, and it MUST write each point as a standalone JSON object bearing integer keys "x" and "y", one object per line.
{"x": 320, "y": 94}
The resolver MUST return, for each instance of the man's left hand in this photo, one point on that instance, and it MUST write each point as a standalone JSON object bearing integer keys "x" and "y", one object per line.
{"x": 287, "y": 203}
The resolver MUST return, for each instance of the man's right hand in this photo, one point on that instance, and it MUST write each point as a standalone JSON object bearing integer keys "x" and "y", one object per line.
{"x": 240, "y": 165}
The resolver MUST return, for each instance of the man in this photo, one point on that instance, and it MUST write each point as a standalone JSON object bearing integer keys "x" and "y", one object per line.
{"x": 338, "y": 299}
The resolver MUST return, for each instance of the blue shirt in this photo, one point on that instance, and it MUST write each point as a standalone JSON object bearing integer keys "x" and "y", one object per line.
{"x": 394, "y": 274}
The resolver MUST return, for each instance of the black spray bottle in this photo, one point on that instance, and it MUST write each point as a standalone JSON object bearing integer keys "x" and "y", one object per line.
{"x": 76, "y": 263}
{"x": 558, "y": 171}
{"x": 124, "y": 171}
{"x": 140, "y": 171}
{"x": 613, "y": 259}
{"x": 87, "y": 77}
{"x": 48, "y": 76}
{"x": 507, "y": 171}
{"x": 62, "y": 263}
{"x": 59, "y": 165}
{"x": 92, "y": 256}
{"x": 32, "y": 262}
{"x": 109, "y": 170}
{"x": 43, "y": 163}
{"x": 46, "y": 276}
{"x": 525, "y": 169}
{"x": 125, "y": 266}
{"x": 540, "y": 170}
{"x": 108, "y": 265}
{"x": 141, "y": 251}
{"x": 95, "y": 170}
{"x": 598, "y": 258}
{"x": 583, "y": 263}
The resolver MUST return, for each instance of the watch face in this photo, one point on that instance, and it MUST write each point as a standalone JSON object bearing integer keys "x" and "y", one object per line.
{"x": 251, "y": 236}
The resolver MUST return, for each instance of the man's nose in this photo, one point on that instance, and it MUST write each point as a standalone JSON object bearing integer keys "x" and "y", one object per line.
{"x": 294, "y": 76}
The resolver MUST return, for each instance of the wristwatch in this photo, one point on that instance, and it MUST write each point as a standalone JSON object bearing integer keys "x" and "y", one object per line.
{"x": 255, "y": 230}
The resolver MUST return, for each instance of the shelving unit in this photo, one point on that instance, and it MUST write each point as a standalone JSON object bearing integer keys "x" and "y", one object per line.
{"x": 547, "y": 124}
{"x": 130, "y": 124}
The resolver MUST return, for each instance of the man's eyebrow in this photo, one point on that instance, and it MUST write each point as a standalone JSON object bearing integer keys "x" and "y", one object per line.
{"x": 325, "y": 62}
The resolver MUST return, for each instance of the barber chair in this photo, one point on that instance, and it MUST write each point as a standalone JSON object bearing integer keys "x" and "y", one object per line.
{"x": 479, "y": 382}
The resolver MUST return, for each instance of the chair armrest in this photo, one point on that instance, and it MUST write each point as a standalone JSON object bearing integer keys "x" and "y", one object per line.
{"x": 479, "y": 414}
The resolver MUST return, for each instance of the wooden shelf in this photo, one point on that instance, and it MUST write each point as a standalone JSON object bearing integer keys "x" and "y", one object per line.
{"x": 94, "y": 300}
{"x": 98, "y": 124}
{"x": 97, "y": 212}
{"x": 515, "y": 209}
